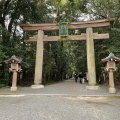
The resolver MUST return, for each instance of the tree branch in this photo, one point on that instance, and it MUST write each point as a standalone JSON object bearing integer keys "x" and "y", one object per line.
{"x": 12, "y": 18}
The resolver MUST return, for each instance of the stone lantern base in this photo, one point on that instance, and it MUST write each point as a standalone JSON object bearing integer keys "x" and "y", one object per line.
{"x": 92, "y": 87}
{"x": 37, "y": 86}
{"x": 13, "y": 88}
{"x": 112, "y": 90}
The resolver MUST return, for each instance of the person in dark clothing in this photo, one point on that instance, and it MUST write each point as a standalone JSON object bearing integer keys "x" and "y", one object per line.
{"x": 76, "y": 77}
{"x": 80, "y": 77}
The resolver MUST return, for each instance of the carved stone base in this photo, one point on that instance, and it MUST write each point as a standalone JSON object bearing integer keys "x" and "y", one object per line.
{"x": 37, "y": 86}
{"x": 13, "y": 88}
{"x": 112, "y": 90}
{"x": 92, "y": 87}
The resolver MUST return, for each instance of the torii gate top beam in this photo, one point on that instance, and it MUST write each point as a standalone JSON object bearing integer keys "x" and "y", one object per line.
{"x": 72, "y": 25}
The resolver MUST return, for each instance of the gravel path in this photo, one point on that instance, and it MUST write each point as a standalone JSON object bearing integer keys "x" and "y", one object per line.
{"x": 62, "y": 101}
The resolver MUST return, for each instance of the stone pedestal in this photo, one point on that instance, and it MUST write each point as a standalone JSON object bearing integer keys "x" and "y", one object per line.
{"x": 112, "y": 90}
{"x": 37, "y": 86}
{"x": 111, "y": 79}
{"x": 111, "y": 82}
{"x": 13, "y": 88}
{"x": 14, "y": 81}
{"x": 92, "y": 87}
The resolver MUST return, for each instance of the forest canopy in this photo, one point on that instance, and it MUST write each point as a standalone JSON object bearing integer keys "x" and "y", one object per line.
{"x": 60, "y": 58}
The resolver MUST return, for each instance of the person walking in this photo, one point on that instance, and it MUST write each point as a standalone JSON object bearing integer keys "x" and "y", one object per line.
{"x": 80, "y": 77}
{"x": 76, "y": 77}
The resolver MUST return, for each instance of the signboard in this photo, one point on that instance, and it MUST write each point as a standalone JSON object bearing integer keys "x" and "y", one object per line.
{"x": 63, "y": 29}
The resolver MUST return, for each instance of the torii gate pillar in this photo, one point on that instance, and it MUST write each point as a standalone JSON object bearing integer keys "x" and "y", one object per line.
{"x": 91, "y": 60}
{"x": 39, "y": 61}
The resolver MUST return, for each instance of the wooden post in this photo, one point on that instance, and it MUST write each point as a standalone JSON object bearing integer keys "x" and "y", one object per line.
{"x": 91, "y": 60}
{"x": 111, "y": 82}
{"x": 14, "y": 81}
{"x": 39, "y": 61}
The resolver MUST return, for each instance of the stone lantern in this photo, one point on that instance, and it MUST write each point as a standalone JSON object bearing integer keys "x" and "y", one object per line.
{"x": 15, "y": 66}
{"x": 110, "y": 66}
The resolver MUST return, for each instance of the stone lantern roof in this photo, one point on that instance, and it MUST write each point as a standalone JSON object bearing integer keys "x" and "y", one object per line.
{"x": 111, "y": 57}
{"x": 15, "y": 59}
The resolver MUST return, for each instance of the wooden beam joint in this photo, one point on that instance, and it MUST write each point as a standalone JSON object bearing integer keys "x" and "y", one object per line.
{"x": 71, "y": 37}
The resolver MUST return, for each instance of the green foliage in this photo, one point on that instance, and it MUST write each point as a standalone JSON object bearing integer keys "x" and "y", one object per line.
{"x": 104, "y": 8}
{"x": 2, "y": 54}
{"x": 2, "y": 85}
{"x": 66, "y": 10}
{"x": 60, "y": 58}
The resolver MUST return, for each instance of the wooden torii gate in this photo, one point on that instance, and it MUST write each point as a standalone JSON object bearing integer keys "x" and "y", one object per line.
{"x": 89, "y": 36}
